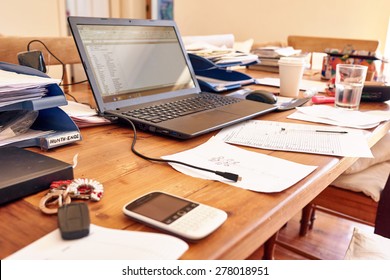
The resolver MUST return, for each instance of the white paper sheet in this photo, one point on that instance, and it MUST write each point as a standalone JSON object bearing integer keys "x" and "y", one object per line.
{"x": 347, "y": 118}
{"x": 304, "y": 85}
{"x": 258, "y": 172}
{"x": 298, "y": 138}
{"x": 104, "y": 244}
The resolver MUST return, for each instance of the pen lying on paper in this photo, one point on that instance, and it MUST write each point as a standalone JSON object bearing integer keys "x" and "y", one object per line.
{"x": 317, "y": 130}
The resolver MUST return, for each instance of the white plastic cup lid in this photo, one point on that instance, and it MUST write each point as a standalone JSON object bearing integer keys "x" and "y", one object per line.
{"x": 294, "y": 61}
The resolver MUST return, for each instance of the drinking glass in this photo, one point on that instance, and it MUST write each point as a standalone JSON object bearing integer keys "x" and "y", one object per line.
{"x": 349, "y": 85}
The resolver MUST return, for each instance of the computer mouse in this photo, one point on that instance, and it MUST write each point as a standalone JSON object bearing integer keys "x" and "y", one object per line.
{"x": 262, "y": 96}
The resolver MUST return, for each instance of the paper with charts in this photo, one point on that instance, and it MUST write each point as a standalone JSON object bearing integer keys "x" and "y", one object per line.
{"x": 258, "y": 172}
{"x": 271, "y": 135}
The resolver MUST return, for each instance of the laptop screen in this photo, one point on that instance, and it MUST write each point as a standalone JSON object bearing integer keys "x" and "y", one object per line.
{"x": 131, "y": 63}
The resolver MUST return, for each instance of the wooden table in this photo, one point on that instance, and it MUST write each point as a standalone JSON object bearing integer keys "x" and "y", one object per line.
{"x": 104, "y": 154}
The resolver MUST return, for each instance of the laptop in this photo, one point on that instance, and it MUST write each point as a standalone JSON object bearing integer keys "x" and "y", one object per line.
{"x": 139, "y": 69}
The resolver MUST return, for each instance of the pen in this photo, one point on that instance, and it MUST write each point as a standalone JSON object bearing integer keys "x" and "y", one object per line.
{"x": 318, "y": 130}
{"x": 331, "y": 131}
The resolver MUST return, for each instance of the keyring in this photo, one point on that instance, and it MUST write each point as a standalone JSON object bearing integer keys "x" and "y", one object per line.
{"x": 53, "y": 197}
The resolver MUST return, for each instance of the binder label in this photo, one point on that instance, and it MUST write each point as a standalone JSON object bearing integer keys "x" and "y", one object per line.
{"x": 60, "y": 139}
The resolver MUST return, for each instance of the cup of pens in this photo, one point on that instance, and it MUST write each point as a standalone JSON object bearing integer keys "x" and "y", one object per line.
{"x": 349, "y": 85}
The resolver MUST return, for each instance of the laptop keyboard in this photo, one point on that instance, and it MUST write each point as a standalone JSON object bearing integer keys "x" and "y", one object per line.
{"x": 175, "y": 109}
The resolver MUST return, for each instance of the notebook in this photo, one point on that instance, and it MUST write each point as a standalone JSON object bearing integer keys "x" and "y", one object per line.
{"x": 136, "y": 64}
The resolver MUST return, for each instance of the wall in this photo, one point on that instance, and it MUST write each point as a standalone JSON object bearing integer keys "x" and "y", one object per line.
{"x": 32, "y": 17}
{"x": 262, "y": 20}
{"x": 48, "y": 17}
{"x": 265, "y": 20}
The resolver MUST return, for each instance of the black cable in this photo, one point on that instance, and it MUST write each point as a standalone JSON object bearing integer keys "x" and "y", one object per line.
{"x": 63, "y": 65}
{"x": 227, "y": 175}
{"x": 59, "y": 60}
{"x": 75, "y": 83}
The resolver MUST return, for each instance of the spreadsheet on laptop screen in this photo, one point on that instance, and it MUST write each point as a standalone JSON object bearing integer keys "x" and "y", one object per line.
{"x": 135, "y": 61}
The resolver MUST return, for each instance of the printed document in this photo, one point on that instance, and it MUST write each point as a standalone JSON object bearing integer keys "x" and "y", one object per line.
{"x": 298, "y": 138}
{"x": 341, "y": 117}
{"x": 258, "y": 172}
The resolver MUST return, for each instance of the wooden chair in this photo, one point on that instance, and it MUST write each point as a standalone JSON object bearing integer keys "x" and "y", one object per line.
{"x": 314, "y": 45}
{"x": 63, "y": 48}
{"x": 344, "y": 203}
{"x": 319, "y": 44}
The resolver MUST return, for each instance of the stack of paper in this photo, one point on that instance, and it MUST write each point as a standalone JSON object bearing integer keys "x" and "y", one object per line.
{"x": 275, "y": 52}
{"x": 269, "y": 57}
{"x": 218, "y": 49}
{"x": 83, "y": 115}
{"x": 16, "y": 87}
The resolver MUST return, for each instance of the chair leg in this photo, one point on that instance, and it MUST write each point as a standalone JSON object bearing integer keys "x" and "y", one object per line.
{"x": 312, "y": 217}
{"x": 307, "y": 219}
{"x": 269, "y": 247}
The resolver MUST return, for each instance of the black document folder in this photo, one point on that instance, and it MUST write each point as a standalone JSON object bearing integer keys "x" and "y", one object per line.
{"x": 23, "y": 173}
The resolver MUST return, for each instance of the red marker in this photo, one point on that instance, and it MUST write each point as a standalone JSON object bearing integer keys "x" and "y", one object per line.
{"x": 318, "y": 99}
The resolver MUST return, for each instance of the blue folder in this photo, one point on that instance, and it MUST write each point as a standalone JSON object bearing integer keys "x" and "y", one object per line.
{"x": 218, "y": 77}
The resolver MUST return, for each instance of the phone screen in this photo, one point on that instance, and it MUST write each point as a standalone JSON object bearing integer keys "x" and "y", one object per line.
{"x": 162, "y": 207}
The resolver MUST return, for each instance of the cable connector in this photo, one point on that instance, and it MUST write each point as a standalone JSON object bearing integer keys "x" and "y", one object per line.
{"x": 230, "y": 176}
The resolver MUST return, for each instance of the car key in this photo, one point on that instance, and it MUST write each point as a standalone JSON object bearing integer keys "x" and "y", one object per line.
{"x": 73, "y": 220}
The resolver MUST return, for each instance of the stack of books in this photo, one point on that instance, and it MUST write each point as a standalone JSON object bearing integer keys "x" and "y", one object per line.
{"x": 269, "y": 57}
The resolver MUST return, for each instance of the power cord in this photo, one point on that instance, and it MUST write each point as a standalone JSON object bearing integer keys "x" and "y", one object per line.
{"x": 63, "y": 70}
{"x": 226, "y": 175}
{"x": 62, "y": 64}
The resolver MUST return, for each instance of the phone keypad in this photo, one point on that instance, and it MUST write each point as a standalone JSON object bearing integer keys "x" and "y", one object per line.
{"x": 195, "y": 220}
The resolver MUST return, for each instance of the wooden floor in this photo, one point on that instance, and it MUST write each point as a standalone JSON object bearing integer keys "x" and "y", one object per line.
{"x": 328, "y": 240}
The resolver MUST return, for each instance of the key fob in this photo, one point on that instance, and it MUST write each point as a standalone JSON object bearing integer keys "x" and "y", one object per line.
{"x": 73, "y": 220}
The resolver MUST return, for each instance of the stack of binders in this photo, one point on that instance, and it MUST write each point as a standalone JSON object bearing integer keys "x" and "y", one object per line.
{"x": 269, "y": 57}
{"x": 56, "y": 126}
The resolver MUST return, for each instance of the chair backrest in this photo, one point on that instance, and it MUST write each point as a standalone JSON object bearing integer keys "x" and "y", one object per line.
{"x": 319, "y": 44}
{"x": 382, "y": 222}
{"x": 63, "y": 48}
{"x": 315, "y": 45}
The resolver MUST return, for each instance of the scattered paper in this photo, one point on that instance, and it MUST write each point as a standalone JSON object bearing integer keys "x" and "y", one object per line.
{"x": 258, "y": 172}
{"x": 104, "y": 244}
{"x": 297, "y": 138}
{"x": 304, "y": 85}
{"x": 335, "y": 116}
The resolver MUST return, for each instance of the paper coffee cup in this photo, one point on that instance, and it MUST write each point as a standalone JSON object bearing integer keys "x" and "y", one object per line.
{"x": 290, "y": 74}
